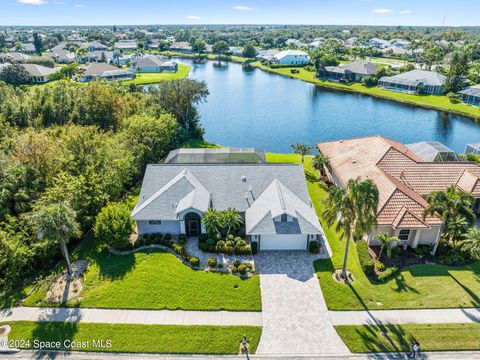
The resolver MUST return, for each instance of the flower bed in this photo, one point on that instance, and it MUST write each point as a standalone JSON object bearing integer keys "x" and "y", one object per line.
{"x": 232, "y": 245}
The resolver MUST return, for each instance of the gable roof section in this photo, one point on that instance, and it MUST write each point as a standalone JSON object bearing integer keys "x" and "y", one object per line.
{"x": 275, "y": 201}
{"x": 182, "y": 192}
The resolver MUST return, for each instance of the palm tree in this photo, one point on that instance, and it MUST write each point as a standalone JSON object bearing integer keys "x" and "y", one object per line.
{"x": 58, "y": 223}
{"x": 450, "y": 205}
{"x": 386, "y": 243}
{"x": 472, "y": 242}
{"x": 302, "y": 149}
{"x": 319, "y": 163}
{"x": 211, "y": 220}
{"x": 352, "y": 210}
{"x": 232, "y": 219}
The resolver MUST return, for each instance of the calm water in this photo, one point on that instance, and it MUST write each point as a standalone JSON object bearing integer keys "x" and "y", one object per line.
{"x": 271, "y": 112}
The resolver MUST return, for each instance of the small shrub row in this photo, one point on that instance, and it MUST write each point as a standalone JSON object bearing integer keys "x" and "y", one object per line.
{"x": 388, "y": 274}
{"x": 232, "y": 245}
{"x": 314, "y": 247}
{"x": 364, "y": 257}
{"x": 241, "y": 268}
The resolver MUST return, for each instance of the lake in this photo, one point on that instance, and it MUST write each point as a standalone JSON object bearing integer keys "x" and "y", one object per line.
{"x": 271, "y": 112}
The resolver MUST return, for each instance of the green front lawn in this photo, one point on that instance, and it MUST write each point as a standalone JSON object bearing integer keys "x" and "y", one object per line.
{"x": 419, "y": 286}
{"x": 400, "y": 338}
{"x": 174, "y": 339}
{"x": 434, "y": 102}
{"x": 153, "y": 78}
{"x": 155, "y": 280}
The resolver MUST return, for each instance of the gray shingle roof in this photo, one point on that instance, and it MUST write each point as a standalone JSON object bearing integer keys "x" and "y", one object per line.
{"x": 39, "y": 70}
{"x": 415, "y": 77}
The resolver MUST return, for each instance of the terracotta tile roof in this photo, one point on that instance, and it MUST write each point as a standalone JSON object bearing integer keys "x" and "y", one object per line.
{"x": 402, "y": 178}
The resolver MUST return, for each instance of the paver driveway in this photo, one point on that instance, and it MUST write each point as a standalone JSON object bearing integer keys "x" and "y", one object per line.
{"x": 295, "y": 316}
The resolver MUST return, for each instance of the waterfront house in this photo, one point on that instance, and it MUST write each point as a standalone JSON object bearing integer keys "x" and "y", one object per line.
{"x": 272, "y": 199}
{"x": 433, "y": 151}
{"x": 353, "y": 72}
{"x": 471, "y": 95}
{"x": 404, "y": 180}
{"x": 379, "y": 43}
{"x": 126, "y": 45}
{"x": 153, "y": 64}
{"x": 472, "y": 149}
{"x": 103, "y": 71}
{"x": 400, "y": 43}
{"x": 291, "y": 57}
{"x": 181, "y": 46}
{"x": 39, "y": 74}
{"x": 266, "y": 55}
{"x": 415, "y": 82}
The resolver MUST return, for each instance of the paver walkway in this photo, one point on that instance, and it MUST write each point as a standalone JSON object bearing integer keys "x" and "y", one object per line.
{"x": 421, "y": 316}
{"x": 125, "y": 316}
{"x": 295, "y": 316}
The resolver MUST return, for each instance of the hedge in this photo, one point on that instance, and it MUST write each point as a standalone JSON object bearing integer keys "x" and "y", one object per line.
{"x": 364, "y": 257}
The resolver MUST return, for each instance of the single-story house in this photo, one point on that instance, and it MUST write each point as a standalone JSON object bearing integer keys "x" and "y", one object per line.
{"x": 291, "y": 57}
{"x": 39, "y": 74}
{"x": 14, "y": 56}
{"x": 353, "y": 72}
{"x": 236, "y": 50}
{"x": 25, "y": 49}
{"x": 95, "y": 46}
{"x": 400, "y": 43}
{"x": 404, "y": 180}
{"x": 415, "y": 82}
{"x": 181, "y": 46}
{"x": 153, "y": 64}
{"x": 472, "y": 149}
{"x": 266, "y": 54}
{"x": 393, "y": 50}
{"x": 62, "y": 56}
{"x": 471, "y": 95}
{"x": 379, "y": 43}
{"x": 104, "y": 71}
{"x": 126, "y": 45}
{"x": 96, "y": 56}
{"x": 223, "y": 155}
{"x": 272, "y": 199}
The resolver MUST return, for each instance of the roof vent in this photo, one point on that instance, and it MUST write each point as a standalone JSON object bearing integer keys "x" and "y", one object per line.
{"x": 354, "y": 161}
{"x": 244, "y": 178}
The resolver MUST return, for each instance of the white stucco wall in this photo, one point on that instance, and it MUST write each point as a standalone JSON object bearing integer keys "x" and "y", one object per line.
{"x": 167, "y": 226}
{"x": 429, "y": 236}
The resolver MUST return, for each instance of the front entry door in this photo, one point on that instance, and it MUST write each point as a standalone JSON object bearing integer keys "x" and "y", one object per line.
{"x": 192, "y": 228}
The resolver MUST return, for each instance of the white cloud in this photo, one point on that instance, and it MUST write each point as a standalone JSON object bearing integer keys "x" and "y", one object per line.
{"x": 243, "y": 8}
{"x": 32, "y": 2}
{"x": 193, "y": 17}
{"x": 79, "y": 6}
{"x": 404, "y": 12}
{"x": 383, "y": 11}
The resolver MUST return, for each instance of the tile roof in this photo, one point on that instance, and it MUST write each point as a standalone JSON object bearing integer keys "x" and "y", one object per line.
{"x": 402, "y": 177}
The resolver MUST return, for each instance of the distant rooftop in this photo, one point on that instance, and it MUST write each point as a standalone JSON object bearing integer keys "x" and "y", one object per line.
{"x": 216, "y": 156}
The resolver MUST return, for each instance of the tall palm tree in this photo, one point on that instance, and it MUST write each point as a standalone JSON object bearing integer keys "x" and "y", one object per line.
{"x": 319, "y": 163}
{"x": 353, "y": 211}
{"x": 450, "y": 205}
{"x": 58, "y": 223}
{"x": 302, "y": 149}
{"x": 472, "y": 242}
{"x": 386, "y": 243}
{"x": 211, "y": 220}
{"x": 231, "y": 219}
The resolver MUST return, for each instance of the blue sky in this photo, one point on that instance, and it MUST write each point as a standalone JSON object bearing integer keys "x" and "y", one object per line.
{"x": 355, "y": 12}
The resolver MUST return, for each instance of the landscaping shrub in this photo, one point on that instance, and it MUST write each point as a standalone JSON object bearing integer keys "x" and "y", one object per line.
{"x": 240, "y": 243}
{"x": 398, "y": 250}
{"x": 314, "y": 247}
{"x": 182, "y": 239}
{"x": 211, "y": 242}
{"x": 229, "y": 243}
{"x": 379, "y": 266}
{"x": 221, "y": 243}
{"x": 364, "y": 257}
{"x": 195, "y": 262}
{"x": 453, "y": 97}
{"x": 254, "y": 247}
{"x": 234, "y": 270}
{"x": 168, "y": 237}
{"x": 236, "y": 263}
{"x": 202, "y": 238}
{"x": 422, "y": 250}
{"x": 114, "y": 225}
{"x": 242, "y": 269}
{"x": 230, "y": 237}
{"x": 388, "y": 274}
{"x": 237, "y": 239}
{"x": 212, "y": 262}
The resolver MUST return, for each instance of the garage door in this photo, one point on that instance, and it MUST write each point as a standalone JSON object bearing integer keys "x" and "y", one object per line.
{"x": 283, "y": 242}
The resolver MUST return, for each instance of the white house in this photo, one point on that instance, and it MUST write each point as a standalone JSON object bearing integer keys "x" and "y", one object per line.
{"x": 291, "y": 57}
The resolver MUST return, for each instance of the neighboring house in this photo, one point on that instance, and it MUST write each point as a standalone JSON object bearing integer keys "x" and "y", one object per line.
{"x": 95, "y": 46}
{"x": 153, "y": 44}
{"x": 393, "y": 50}
{"x": 272, "y": 198}
{"x": 126, "y": 45}
{"x": 294, "y": 42}
{"x": 315, "y": 44}
{"x": 403, "y": 180}
{"x": 353, "y": 72}
{"x": 103, "y": 71}
{"x": 62, "y": 56}
{"x": 96, "y": 56}
{"x": 400, "y": 43}
{"x": 291, "y": 57}
{"x": 433, "y": 151}
{"x": 14, "y": 56}
{"x": 415, "y": 82}
{"x": 350, "y": 42}
{"x": 471, "y": 95}
{"x": 39, "y": 74}
{"x": 472, "y": 149}
{"x": 236, "y": 51}
{"x": 25, "y": 49}
{"x": 123, "y": 59}
{"x": 153, "y": 64}
{"x": 379, "y": 43}
{"x": 266, "y": 55}
{"x": 182, "y": 46}
{"x": 216, "y": 156}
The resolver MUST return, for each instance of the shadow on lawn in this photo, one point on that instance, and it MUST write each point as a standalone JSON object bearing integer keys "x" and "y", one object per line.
{"x": 386, "y": 338}
{"x": 114, "y": 267}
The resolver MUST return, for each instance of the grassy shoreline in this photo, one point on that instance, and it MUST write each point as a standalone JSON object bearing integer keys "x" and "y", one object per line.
{"x": 399, "y": 338}
{"x": 133, "y": 338}
{"x": 438, "y": 103}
